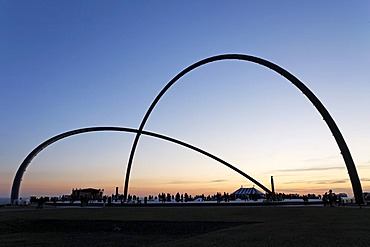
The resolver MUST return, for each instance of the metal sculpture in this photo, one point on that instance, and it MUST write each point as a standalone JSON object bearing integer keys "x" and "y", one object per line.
{"x": 18, "y": 177}
{"x": 351, "y": 168}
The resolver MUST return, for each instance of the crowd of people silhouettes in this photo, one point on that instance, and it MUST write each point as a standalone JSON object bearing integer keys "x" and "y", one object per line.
{"x": 330, "y": 199}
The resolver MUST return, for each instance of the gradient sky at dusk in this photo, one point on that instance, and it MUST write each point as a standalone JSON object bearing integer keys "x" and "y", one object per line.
{"x": 71, "y": 64}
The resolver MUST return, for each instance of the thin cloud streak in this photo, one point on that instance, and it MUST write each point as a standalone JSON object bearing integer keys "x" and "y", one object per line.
{"x": 324, "y": 182}
{"x": 218, "y": 181}
{"x": 331, "y": 181}
{"x": 311, "y": 169}
{"x": 183, "y": 182}
{"x": 196, "y": 182}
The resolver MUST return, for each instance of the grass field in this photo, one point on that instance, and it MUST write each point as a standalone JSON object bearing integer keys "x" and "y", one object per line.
{"x": 186, "y": 226}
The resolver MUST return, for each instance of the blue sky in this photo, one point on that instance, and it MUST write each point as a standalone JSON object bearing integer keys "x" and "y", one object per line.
{"x": 73, "y": 64}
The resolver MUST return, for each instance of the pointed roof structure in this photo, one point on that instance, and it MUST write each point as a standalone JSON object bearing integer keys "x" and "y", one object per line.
{"x": 248, "y": 191}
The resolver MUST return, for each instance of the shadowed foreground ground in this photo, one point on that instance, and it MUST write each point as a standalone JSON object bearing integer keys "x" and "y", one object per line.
{"x": 195, "y": 226}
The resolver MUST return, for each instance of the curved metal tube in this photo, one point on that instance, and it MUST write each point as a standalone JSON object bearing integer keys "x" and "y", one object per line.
{"x": 22, "y": 168}
{"x": 351, "y": 168}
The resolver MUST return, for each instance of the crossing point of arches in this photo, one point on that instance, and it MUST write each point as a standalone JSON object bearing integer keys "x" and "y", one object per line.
{"x": 351, "y": 168}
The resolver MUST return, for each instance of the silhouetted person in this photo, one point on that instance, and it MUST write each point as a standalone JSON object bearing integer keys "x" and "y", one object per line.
{"x": 325, "y": 199}
{"x": 40, "y": 203}
{"x": 163, "y": 198}
{"x": 218, "y": 197}
{"x": 334, "y": 199}
{"x": 186, "y": 197}
{"x": 305, "y": 200}
{"x": 331, "y": 197}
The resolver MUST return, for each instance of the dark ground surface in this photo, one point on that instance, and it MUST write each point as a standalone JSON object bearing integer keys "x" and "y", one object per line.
{"x": 194, "y": 226}
{"x": 106, "y": 232}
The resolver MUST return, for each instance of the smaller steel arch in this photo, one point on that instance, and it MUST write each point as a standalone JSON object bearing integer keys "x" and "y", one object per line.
{"x": 22, "y": 168}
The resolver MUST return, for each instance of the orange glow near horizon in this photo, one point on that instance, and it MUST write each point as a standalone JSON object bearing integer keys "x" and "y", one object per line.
{"x": 58, "y": 189}
{"x": 38, "y": 181}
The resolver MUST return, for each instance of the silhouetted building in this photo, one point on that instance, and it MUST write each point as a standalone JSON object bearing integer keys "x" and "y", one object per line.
{"x": 89, "y": 193}
{"x": 248, "y": 193}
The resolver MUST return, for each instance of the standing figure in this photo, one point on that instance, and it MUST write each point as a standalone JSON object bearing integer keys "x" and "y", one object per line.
{"x": 325, "y": 199}
{"x": 331, "y": 197}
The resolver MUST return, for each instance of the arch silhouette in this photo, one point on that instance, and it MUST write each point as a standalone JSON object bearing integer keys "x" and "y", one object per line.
{"x": 22, "y": 168}
{"x": 351, "y": 168}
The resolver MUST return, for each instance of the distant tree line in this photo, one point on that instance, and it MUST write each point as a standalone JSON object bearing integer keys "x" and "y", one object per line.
{"x": 178, "y": 197}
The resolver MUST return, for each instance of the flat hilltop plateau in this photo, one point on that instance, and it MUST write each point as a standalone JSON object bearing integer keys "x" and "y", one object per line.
{"x": 186, "y": 226}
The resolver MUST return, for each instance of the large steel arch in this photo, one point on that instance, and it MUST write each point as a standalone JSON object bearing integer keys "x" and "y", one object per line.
{"x": 22, "y": 168}
{"x": 351, "y": 168}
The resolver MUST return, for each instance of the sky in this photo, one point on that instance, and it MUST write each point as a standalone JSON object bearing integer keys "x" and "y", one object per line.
{"x": 71, "y": 64}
